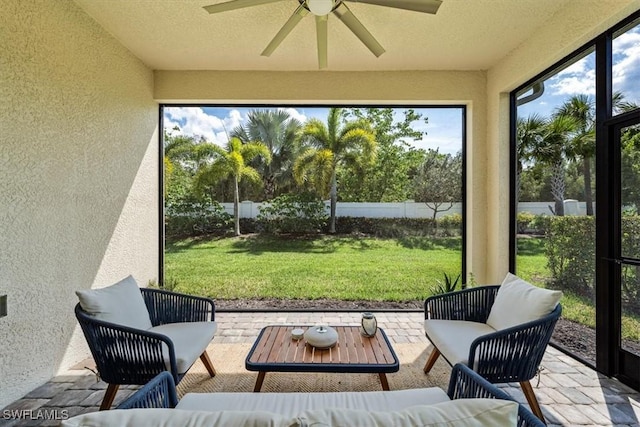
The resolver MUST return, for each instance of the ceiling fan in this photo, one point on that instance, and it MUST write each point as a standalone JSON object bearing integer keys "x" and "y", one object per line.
{"x": 321, "y": 9}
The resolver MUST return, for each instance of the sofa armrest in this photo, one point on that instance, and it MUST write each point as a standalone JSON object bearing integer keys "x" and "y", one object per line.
{"x": 171, "y": 307}
{"x": 125, "y": 355}
{"x": 466, "y": 384}
{"x": 473, "y": 304}
{"x": 513, "y": 354}
{"x": 160, "y": 392}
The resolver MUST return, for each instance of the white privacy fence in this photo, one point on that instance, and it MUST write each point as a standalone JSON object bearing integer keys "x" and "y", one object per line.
{"x": 571, "y": 207}
{"x": 409, "y": 209}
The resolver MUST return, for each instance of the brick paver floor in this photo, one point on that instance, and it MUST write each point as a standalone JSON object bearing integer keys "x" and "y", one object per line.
{"x": 570, "y": 393}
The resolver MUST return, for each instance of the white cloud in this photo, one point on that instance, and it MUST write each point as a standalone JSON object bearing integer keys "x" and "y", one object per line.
{"x": 626, "y": 66}
{"x": 578, "y": 78}
{"x": 194, "y": 121}
{"x": 576, "y": 85}
{"x": 295, "y": 114}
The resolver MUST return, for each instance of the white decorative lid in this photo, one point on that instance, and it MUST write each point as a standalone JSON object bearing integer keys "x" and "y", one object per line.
{"x": 321, "y": 336}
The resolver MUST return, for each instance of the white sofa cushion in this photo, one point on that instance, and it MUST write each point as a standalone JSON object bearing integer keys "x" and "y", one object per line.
{"x": 120, "y": 303}
{"x": 519, "y": 302}
{"x": 456, "y": 413}
{"x": 292, "y": 404}
{"x": 178, "y": 418}
{"x": 190, "y": 339}
{"x": 453, "y": 338}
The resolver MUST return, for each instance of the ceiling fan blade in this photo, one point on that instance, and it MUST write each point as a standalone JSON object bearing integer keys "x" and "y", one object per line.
{"x": 322, "y": 35}
{"x": 300, "y": 13}
{"x": 356, "y": 27}
{"x": 236, "y": 4}
{"x": 425, "y": 6}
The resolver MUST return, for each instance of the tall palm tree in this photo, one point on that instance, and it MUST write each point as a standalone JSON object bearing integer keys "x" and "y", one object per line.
{"x": 582, "y": 140}
{"x": 330, "y": 146}
{"x": 278, "y": 131}
{"x": 552, "y": 151}
{"x": 232, "y": 161}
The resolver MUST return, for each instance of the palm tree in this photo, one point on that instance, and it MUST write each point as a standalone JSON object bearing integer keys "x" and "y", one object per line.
{"x": 582, "y": 140}
{"x": 330, "y": 145}
{"x": 552, "y": 151}
{"x": 232, "y": 161}
{"x": 529, "y": 133}
{"x": 278, "y": 131}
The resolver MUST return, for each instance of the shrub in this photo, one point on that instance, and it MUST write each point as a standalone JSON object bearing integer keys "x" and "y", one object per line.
{"x": 193, "y": 216}
{"x": 385, "y": 227}
{"x": 540, "y": 224}
{"x": 631, "y": 273}
{"x": 523, "y": 222}
{"x": 450, "y": 225}
{"x": 293, "y": 213}
{"x": 570, "y": 250}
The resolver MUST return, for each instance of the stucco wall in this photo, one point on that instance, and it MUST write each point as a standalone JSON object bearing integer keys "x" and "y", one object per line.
{"x": 78, "y": 199}
{"x": 321, "y": 87}
{"x": 570, "y": 28}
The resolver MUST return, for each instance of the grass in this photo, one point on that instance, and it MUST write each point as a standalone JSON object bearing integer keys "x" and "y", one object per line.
{"x": 345, "y": 268}
{"x": 336, "y": 267}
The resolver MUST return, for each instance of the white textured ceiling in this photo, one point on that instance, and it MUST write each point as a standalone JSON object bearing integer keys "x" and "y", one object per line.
{"x": 181, "y": 35}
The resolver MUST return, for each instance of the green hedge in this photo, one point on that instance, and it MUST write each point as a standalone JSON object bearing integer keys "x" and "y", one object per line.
{"x": 450, "y": 225}
{"x": 189, "y": 217}
{"x": 570, "y": 251}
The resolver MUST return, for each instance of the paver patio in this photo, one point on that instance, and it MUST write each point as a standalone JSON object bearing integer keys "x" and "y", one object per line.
{"x": 570, "y": 393}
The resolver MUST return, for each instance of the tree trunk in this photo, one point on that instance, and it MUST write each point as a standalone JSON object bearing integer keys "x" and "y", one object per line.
{"x": 269, "y": 187}
{"x": 334, "y": 201}
{"x": 558, "y": 187}
{"x": 588, "y": 198}
{"x": 236, "y": 206}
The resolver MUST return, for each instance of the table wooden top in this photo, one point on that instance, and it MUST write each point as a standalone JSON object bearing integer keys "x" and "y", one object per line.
{"x": 276, "y": 351}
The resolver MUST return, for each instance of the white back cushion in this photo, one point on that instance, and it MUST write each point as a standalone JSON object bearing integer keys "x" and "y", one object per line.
{"x": 519, "y": 302}
{"x": 120, "y": 303}
{"x": 178, "y": 418}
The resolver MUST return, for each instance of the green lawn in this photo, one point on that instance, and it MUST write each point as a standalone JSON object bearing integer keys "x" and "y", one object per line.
{"x": 337, "y": 267}
{"x": 346, "y": 268}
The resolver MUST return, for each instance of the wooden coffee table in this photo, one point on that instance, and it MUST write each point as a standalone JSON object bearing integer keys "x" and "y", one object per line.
{"x": 276, "y": 351}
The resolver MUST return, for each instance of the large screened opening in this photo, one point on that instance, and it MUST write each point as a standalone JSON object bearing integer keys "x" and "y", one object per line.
{"x": 313, "y": 207}
{"x": 555, "y": 193}
{"x": 575, "y": 130}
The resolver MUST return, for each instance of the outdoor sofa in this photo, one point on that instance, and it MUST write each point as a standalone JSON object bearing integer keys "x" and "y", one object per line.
{"x": 469, "y": 401}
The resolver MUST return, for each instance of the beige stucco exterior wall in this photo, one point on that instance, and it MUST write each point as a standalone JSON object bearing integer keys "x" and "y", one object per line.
{"x": 571, "y": 28}
{"x": 78, "y": 199}
{"x": 408, "y": 87}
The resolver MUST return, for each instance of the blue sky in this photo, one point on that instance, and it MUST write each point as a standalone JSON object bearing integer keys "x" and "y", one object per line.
{"x": 579, "y": 77}
{"x": 443, "y": 130}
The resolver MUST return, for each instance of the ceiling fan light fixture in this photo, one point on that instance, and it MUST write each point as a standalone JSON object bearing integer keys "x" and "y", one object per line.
{"x": 320, "y": 7}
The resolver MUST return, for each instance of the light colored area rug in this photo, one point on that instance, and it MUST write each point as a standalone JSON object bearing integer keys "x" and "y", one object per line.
{"x": 228, "y": 360}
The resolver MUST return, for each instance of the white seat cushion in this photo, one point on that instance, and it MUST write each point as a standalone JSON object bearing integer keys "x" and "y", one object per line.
{"x": 519, "y": 302}
{"x": 292, "y": 404}
{"x": 453, "y": 338}
{"x": 190, "y": 339}
{"x": 120, "y": 303}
